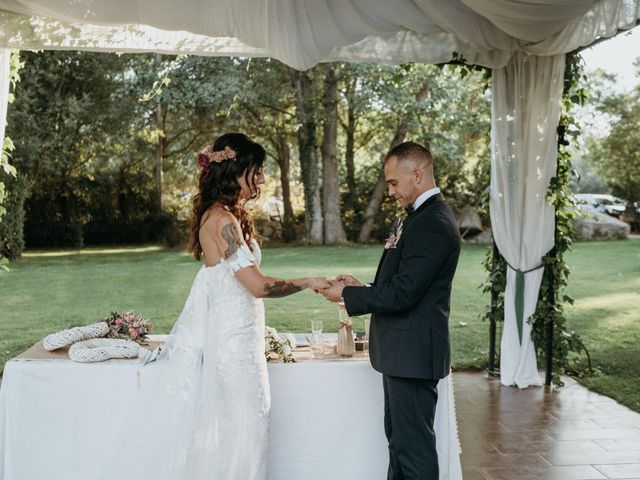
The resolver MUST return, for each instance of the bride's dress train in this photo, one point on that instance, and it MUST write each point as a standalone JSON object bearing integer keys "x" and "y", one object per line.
{"x": 202, "y": 409}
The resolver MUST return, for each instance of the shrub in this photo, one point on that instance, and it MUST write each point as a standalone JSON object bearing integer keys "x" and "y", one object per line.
{"x": 12, "y": 222}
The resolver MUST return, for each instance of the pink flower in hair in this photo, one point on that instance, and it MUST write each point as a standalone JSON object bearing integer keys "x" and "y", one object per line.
{"x": 203, "y": 160}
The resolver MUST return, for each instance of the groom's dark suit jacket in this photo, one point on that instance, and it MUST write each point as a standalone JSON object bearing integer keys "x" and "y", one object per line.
{"x": 410, "y": 297}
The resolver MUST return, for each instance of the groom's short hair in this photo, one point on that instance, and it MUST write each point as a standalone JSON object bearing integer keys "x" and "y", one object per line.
{"x": 411, "y": 151}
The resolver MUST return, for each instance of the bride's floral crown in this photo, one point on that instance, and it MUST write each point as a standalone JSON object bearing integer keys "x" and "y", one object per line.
{"x": 208, "y": 155}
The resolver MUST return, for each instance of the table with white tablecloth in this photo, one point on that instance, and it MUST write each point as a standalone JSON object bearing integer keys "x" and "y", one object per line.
{"x": 326, "y": 419}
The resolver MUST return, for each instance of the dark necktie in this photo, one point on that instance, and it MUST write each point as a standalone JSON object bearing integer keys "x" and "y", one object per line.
{"x": 409, "y": 209}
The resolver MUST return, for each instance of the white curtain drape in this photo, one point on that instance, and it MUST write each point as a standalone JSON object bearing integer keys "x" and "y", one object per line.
{"x": 526, "y": 102}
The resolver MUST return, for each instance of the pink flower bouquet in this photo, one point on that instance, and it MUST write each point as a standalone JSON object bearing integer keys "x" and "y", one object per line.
{"x": 128, "y": 326}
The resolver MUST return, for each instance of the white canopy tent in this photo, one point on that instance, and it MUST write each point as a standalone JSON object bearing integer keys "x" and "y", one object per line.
{"x": 524, "y": 42}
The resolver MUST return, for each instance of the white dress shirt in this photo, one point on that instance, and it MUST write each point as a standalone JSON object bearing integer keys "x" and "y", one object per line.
{"x": 425, "y": 196}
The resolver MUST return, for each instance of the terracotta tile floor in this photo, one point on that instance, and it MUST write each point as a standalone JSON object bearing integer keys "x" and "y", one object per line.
{"x": 568, "y": 433}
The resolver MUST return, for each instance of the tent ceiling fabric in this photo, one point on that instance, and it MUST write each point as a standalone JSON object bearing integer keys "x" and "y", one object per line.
{"x": 302, "y": 33}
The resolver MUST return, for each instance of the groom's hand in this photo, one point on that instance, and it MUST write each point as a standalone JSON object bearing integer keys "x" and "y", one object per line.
{"x": 334, "y": 292}
{"x": 349, "y": 280}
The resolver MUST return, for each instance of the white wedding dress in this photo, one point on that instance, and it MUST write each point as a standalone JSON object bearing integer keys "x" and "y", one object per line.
{"x": 202, "y": 410}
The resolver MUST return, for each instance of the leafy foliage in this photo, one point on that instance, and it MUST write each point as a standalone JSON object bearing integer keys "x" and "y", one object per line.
{"x": 616, "y": 155}
{"x": 11, "y": 236}
{"x": 92, "y": 130}
{"x": 11, "y": 231}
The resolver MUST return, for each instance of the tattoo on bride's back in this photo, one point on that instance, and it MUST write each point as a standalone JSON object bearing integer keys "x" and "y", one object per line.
{"x": 280, "y": 289}
{"x": 229, "y": 235}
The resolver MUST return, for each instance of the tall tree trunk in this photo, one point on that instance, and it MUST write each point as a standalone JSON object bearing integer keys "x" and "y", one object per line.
{"x": 350, "y": 131}
{"x": 364, "y": 236}
{"x": 309, "y": 166}
{"x": 122, "y": 206}
{"x": 284, "y": 160}
{"x": 160, "y": 152}
{"x": 377, "y": 195}
{"x": 333, "y": 230}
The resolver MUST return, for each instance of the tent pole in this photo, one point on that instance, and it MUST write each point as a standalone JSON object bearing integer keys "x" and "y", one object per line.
{"x": 549, "y": 349}
{"x": 491, "y": 369}
{"x": 551, "y": 297}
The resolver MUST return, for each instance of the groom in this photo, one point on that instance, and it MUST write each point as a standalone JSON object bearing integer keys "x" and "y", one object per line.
{"x": 409, "y": 301}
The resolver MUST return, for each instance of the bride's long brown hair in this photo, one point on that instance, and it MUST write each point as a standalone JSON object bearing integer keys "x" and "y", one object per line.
{"x": 218, "y": 184}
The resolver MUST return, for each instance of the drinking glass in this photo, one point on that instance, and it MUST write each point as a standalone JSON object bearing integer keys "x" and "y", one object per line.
{"x": 316, "y": 346}
{"x": 365, "y": 345}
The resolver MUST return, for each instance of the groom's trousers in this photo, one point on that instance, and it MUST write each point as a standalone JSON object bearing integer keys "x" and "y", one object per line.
{"x": 409, "y": 411}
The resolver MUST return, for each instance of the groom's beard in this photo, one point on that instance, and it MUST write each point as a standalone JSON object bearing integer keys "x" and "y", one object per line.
{"x": 403, "y": 202}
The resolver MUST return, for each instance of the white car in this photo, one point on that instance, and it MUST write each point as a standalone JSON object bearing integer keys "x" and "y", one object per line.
{"x": 602, "y": 203}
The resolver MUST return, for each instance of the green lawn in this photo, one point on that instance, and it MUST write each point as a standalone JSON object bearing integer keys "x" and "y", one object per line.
{"x": 49, "y": 291}
{"x": 605, "y": 281}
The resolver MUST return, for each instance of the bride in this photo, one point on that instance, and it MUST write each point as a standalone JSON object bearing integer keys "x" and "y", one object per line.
{"x": 203, "y": 407}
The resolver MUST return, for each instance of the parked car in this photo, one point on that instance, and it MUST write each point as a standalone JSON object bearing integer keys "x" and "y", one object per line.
{"x": 602, "y": 203}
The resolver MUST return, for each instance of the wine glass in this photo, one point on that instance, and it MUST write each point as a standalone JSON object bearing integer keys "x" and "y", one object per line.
{"x": 365, "y": 344}
{"x": 316, "y": 346}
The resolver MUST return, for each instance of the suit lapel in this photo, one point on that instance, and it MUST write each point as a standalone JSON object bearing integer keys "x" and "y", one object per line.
{"x": 421, "y": 208}
{"x": 425, "y": 205}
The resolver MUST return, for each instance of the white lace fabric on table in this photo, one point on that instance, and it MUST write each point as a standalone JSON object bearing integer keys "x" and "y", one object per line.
{"x": 202, "y": 409}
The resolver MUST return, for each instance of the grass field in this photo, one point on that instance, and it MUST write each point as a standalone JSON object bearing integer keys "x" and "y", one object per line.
{"x": 49, "y": 291}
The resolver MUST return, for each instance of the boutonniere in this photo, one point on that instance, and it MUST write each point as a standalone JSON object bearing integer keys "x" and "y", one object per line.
{"x": 392, "y": 241}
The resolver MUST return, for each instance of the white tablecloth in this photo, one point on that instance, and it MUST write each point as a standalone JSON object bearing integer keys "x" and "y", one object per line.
{"x": 56, "y": 416}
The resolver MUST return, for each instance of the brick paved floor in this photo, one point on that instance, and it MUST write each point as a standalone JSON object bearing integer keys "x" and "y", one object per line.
{"x": 568, "y": 433}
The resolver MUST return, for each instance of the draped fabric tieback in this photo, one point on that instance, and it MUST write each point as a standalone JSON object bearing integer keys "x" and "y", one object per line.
{"x": 519, "y": 300}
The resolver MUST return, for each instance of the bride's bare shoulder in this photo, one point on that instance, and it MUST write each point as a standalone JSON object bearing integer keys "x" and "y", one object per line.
{"x": 221, "y": 227}
{"x": 215, "y": 218}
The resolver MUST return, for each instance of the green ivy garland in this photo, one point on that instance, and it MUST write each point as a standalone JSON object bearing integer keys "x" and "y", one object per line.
{"x": 7, "y": 147}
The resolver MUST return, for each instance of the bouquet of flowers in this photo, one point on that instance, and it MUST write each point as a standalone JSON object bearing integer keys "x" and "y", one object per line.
{"x": 128, "y": 326}
{"x": 277, "y": 348}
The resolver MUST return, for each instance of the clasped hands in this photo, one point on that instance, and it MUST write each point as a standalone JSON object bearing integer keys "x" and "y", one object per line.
{"x": 332, "y": 289}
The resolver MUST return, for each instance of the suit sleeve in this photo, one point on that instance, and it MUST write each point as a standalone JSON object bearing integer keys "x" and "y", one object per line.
{"x": 421, "y": 258}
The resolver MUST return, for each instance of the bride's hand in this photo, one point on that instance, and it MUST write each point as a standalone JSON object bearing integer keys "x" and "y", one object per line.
{"x": 349, "y": 280}
{"x": 319, "y": 283}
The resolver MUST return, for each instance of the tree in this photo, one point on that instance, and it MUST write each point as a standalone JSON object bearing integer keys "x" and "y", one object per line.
{"x": 403, "y": 96}
{"x": 333, "y": 230}
{"x": 107, "y": 142}
{"x": 188, "y": 103}
{"x": 61, "y": 124}
{"x": 309, "y": 167}
{"x": 268, "y": 103}
{"x": 616, "y": 155}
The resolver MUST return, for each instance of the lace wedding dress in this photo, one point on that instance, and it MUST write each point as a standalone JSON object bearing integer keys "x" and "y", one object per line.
{"x": 202, "y": 408}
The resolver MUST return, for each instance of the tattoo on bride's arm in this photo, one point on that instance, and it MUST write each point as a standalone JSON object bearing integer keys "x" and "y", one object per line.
{"x": 230, "y": 236}
{"x": 280, "y": 289}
